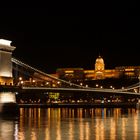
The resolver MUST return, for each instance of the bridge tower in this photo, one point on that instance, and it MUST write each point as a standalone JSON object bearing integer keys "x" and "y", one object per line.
{"x": 6, "y": 50}
{"x": 8, "y": 98}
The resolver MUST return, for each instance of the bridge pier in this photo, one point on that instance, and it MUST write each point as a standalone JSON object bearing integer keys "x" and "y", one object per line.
{"x": 8, "y": 105}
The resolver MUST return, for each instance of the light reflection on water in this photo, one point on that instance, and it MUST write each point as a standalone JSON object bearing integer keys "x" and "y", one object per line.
{"x": 72, "y": 124}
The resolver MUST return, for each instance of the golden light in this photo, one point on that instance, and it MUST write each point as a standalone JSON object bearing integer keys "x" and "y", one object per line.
{"x": 20, "y": 78}
{"x": 101, "y": 86}
{"x": 69, "y": 71}
{"x": 33, "y": 81}
{"x": 97, "y": 85}
{"x": 81, "y": 84}
{"x": 129, "y": 69}
{"x": 47, "y": 83}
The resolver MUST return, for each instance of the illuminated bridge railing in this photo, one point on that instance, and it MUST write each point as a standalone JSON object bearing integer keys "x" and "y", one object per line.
{"x": 116, "y": 91}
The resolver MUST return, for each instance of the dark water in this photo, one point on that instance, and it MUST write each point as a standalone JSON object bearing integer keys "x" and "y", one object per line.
{"x": 72, "y": 124}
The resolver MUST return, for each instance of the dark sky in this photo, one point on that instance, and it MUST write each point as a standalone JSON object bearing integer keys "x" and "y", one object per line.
{"x": 52, "y": 37}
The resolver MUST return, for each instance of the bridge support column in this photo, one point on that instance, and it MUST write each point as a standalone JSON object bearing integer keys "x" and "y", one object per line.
{"x": 6, "y": 75}
{"x": 8, "y": 105}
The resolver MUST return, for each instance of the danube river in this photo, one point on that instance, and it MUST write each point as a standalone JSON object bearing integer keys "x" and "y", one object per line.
{"x": 72, "y": 124}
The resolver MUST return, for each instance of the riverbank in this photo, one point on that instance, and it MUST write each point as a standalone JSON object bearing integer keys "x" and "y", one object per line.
{"x": 87, "y": 105}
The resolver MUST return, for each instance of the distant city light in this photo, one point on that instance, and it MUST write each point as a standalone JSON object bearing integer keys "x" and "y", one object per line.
{"x": 20, "y": 78}
{"x": 97, "y": 85}
{"x": 47, "y": 83}
{"x": 81, "y": 84}
{"x": 5, "y": 42}
{"x": 86, "y": 85}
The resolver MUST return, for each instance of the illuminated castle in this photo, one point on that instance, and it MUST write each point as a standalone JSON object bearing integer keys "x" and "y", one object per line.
{"x": 99, "y": 72}
{"x": 99, "y": 68}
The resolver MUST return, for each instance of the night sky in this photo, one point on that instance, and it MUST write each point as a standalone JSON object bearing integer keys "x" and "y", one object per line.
{"x": 52, "y": 37}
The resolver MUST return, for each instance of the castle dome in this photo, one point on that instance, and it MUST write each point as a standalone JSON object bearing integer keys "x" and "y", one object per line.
{"x": 99, "y": 64}
{"x": 99, "y": 60}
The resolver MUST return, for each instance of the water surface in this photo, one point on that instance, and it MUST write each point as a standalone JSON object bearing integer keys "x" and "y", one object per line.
{"x": 72, "y": 124}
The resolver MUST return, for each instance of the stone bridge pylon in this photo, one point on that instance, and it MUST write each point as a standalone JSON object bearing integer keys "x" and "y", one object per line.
{"x": 8, "y": 105}
{"x": 6, "y": 77}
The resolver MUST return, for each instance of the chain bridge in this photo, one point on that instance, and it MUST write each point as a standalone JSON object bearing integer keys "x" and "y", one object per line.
{"x": 63, "y": 85}
{"x": 16, "y": 76}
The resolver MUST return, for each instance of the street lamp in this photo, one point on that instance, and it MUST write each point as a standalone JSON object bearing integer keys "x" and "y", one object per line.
{"x": 20, "y": 78}
{"x": 81, "y": 84}
{"x": 86, "y": 86}
{"x": 20, "y": 81}
{"x": 97, "y": 85}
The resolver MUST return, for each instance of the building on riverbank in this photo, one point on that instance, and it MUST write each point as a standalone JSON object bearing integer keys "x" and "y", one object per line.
{"x": 98, "y": 73}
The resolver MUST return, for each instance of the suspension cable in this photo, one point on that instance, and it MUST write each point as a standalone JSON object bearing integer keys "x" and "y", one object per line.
{"x": 43, "y": 73}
